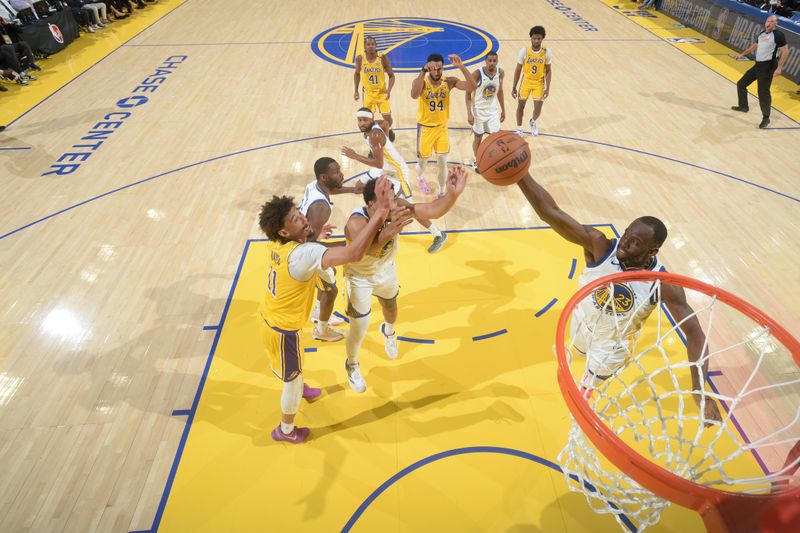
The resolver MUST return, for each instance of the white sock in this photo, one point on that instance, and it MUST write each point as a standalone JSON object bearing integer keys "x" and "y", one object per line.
{"x": 358, "y": 330}
{"x": 436, "y": 232}
{"x": 286, "y": 428}
{"x": 388, "y": 329}
{"x": 322, "y": 324}
{"x": 420, "y": 170}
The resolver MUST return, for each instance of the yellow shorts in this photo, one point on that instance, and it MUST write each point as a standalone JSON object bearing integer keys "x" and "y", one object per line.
{"x": 534, "y": 89}
{"x": 377, "y": 102}
{"x": 285, "y": 351}
{"x": 432, "y": 139}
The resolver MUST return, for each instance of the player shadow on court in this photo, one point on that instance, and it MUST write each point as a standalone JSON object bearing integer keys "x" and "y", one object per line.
{"x": 569, "y": 509}
{"x": 19, "y": 163}
{"x": 116, "y": 374}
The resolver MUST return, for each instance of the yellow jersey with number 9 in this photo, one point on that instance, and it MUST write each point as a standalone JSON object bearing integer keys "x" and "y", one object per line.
{"x": 288, "y": 302}
{"x": 533, "y": 69}
{"x": 433, "y": 107}
{"x": 372, "y": 75}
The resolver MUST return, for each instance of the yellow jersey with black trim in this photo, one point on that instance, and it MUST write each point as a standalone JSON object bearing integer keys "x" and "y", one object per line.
{"x": 373, "y": 76}
{"x": 533, "y": 69}
{"x": 433, "y": 107}
{"x": 288, "y": 302}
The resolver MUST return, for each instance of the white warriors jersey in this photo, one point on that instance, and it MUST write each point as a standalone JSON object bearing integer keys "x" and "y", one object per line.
{"x": 312, "y": 196}
{"x": 393, "y": 162}
{"x": 485, "y": 101}
{"x": 372, "y": 264}
{"x": 632, "y": 301}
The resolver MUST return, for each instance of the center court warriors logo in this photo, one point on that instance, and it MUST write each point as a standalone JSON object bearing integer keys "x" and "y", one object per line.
{"x": 623, "y": 299}
{"x": 406, "y": 40}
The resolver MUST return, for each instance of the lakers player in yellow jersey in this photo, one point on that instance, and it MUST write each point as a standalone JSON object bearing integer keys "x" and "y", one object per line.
{"x": 432, "y": 92}
{"x": 534, "y": 63}
{"x": 372, "y": 69}
{"x": 296, "y": 266}
{"x": 384, "y": 158}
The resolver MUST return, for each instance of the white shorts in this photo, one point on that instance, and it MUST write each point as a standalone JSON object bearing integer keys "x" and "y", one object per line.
{"x": 604, "y": 354}
{"x": 486, "y": 123}
{"x": 383, "y": 284}
{"x": 399, "y": 183}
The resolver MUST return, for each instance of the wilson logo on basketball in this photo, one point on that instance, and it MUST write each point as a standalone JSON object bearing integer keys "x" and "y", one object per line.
{"x": 514, "y": 163}
{"x": 56, "y": 33}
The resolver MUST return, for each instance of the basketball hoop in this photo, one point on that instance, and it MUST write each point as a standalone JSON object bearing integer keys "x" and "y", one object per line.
{"x": 648, "y": 422}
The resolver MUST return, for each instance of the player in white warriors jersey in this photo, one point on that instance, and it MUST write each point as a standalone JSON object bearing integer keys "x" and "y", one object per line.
{"x": 386, "y": 159}
{"x": 376, "y": 274}
{"x": 632, "y": 301}
{"x": 487, "y": 109}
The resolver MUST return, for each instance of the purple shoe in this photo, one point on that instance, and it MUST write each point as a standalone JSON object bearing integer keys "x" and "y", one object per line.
{"x": 297, "y": 435}
{"x": 311, "y": 393}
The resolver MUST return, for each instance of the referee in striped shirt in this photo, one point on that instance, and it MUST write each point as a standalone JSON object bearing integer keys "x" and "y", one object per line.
{"x": 767, "y": 45}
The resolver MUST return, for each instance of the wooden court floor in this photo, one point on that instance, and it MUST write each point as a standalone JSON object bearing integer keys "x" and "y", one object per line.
{"x": 117, "y": 273}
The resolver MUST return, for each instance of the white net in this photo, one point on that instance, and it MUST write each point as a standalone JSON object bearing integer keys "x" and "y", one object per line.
{"x": 731, "y": 428}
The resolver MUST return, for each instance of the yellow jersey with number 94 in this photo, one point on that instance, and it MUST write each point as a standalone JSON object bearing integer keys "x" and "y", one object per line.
{"x": 433, "y": 107}
{"x": 288, "y": 302}
{"x": 372, "y": 75}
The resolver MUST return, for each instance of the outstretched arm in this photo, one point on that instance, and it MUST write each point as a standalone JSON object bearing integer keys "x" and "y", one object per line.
{"x": 358, "y": 246}
{"x": 468, "y": 83}
{"x": 468, "y": 99}
{"x": 456, "y": 181}
{"x": 318, "y": 215}
{"x": 674, "y": 298}
{"x": 357, "y": 77}
{"x": 376, "y": 141}
{"x": 594, "y": 243}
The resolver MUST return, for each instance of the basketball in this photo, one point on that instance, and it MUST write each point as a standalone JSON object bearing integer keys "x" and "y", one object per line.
{"x": 503, "y": 158}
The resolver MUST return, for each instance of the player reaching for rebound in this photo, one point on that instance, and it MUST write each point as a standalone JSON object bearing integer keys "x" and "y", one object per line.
{"x": 487, "y": 109}
{"x": 296, "y": 264}
{"x": 594, "y": 332}
{"x": 316, "y": 207}
{"x": 385, "y": 159}
{"x": 432, "y": 92}
{"x": 534, "y": 63}
{"x": 372, "y": 69}
{"x": 376, "y": 273}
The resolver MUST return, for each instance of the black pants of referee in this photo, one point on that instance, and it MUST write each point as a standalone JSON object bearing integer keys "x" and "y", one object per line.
{"x": 761, "y": 71}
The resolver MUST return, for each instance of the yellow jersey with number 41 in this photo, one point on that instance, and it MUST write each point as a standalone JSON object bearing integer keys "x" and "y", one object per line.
{"x": 288, "y": 301}
{"x": 433, "y": 107}
{"x": 372, "y": 75}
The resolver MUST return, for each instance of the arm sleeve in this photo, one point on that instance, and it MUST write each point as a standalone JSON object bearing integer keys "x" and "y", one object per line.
{"x": 521, "y": 56}
{"x": 306, "y": 259}
{"x": 780, "y": 39}
{"x": 548, "y": 56}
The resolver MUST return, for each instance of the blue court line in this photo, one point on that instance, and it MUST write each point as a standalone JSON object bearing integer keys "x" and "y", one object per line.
{"x": 23, "y": 148}
{"x": 218, "y": 44}
{"x": 337, "y": 313}
{"x": 418, "y": 341}
{"x": 673, "y": 160}
{"x": 309, "y": 350}
{"x": 210, "y": 328}
{"x": 451, "y": 453}
{"x": 239, "y": 152}
{"x": 572, "y": 268}
{"x": 796, "y": 128}
{"x": 715, "y": 372}
{"x": 619, "y": 12}
{"x": 98, "y": 62}
{"x": 182, "y": 444}
{"x": 544, "y": 309}
{"x": 181, "y": 412}
{"x": 490, "y": 335}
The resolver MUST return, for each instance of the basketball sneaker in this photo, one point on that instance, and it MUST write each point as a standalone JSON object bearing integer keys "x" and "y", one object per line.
{"x": 334, "y": 320}
{"x": 311, "y": 393}
{"x": 534, "y": 128}
{"x": 437, "y": 243}
{"x": 423, "y": 185}
{"x": 520, "y": 131}
{"x": 327, "y": 333}
{"x": 355, "y": 378}
{"x": 391, "y": 342}
{"x": 296, "y": 436}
